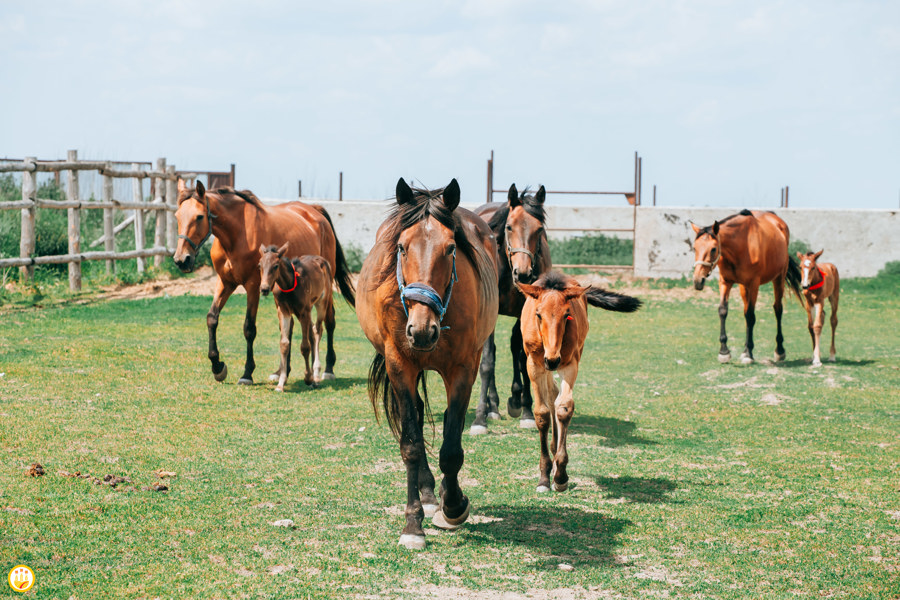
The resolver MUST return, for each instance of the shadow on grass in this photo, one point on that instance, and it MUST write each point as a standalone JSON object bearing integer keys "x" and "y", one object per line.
{"x": 637, "y": 489}
{"x": 296, "y": 386}
{"x": 553, "y": 533}
{"x": 806, "y": 363}
{"x": 615, "y": 432}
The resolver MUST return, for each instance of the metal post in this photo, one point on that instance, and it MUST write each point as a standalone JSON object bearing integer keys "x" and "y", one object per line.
{"x": 787, "y": 191}
{"x": 640, "y": 179}
{"x": 636, "y": 178}
{"x": 490, "y": 178}
{"x": 299, "y": 188}
{"x": 340, "y": 186}
{"x": 654, "y": 194}
{"x": 74, "y": 224}
{"x": 232, "y": 175}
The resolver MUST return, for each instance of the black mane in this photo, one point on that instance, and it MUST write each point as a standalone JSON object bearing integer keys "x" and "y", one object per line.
{"x": 555, "y": 280}
{"x": 709, "y": 229}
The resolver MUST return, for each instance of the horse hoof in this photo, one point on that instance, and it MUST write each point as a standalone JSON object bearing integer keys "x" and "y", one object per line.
{"x": 816, "y": 363}
{"x": 494, "y": 415}
{"x": 542, "y": 489}
{"x": 527, "y": 424}
{"x": 430, "y": 510}
{"x": 832, "y": 358}
{"x": 513, "y": 411}
{"x": 441, "y": 521}
{"x": 274, "y": 376}
{"x": 779, "y": 357}
{"x": 478, "y": 430}
{"x": 412, "y": 542}
{"x": 244, "y": 381}
{"x": 724, "y": 358}
{"x": 221, "y": 375}
{"x": 560, "y": 487}
{"x": 746, "y": 360}
{"x": 313, "y": 385}
{"x": 328, "y": 377}
{"x": 279, "y": 389}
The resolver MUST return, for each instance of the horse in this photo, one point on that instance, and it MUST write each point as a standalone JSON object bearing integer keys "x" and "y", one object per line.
{"x": 820, "y": 281}
{"x": 240, "y": 223}
{"x": 554, "y": 328}
{"x": 300, "y": 285}
{"x": 427, "y": 300}
{"x": 750, "y": 249}
{"x": 518, "y": 226}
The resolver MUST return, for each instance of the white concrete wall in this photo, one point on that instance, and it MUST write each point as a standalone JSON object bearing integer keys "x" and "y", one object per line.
{"x": 858, "y": 242}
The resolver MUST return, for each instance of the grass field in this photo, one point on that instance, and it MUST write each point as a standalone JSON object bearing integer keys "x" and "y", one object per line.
{"x": 691, "y": 479}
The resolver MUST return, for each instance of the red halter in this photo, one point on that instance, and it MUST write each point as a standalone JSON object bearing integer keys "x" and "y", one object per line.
{"x": 821, "y": 283}
{"x": 295, "y": 282}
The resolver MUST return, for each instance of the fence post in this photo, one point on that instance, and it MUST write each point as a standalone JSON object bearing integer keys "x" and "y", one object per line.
{"x": 109, "y": 232}
{"x": 137, "y": 195}
{"x": 171, "y": 200}
{"x": 26, "y": 243}
{"x": 72, "y": 195}
{"x": 159, "y": 239}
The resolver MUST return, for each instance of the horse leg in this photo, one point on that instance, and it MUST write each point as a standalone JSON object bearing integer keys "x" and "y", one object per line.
{"x": 778, "y": 286}
{"x": 833, "y": 300}
{"x": 317, "y": 337}
{"x": 544, "y": 390}
{"x": 818, "y": 322}
{"x": 306, "y": 325}
{"x": 454, "y": 504}
{"x": 520, "y": 369}
{"x": 748, "y": 295}
{"x": 563, "y": 410}
{"x": 222, "y": 293}
{"x": 724, "y": 291}
{"x": 488, "y": 388}
{"x": 250, "y": 330}
{"x": 330, "y": 356}
{"x": 286, "y": 320}
{"x": 426, "y": 479}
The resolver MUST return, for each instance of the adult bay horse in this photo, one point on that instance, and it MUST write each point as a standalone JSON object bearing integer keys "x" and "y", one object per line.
{"x": 820, "y": 282}
{"x": 554, "y": 328}
{"x": 427, "y": 300}
{"x": 518, "y": 225}
{"x": 750, "y": 249}
{"x": 240, "y": 224}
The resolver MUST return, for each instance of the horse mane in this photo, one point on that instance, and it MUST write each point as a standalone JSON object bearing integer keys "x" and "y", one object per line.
{"x": 555, "y": 280}
{"x": 497, "y": 221}
{"x": 247, "y": 196}
{"x": 709, "y": 229}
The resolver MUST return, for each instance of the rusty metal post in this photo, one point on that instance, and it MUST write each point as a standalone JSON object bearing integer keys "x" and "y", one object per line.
{"x": 640, "y": 180}
{"x": 787, "y": 191}
{"x": 490, "y": 178}
{"x": 340, "y": 186}
{"x": 654, "y": 194}
{"x": 299, "y": 188}
{"x": 635, "y": 178}
{"x": 232, "y": 174}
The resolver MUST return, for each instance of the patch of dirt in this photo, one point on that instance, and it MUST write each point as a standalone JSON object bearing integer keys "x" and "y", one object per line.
{"x": 36, "y": 470}
{"x": 201, "y": 282}
{"x": 437, "y": 592}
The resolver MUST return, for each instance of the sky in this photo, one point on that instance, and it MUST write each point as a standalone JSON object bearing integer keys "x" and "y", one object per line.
{"x": 726, "y": 102}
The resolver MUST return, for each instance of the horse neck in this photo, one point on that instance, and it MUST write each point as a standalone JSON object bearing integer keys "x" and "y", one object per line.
{"x": 285, "y": 274}
{"x": 229, "y": 223}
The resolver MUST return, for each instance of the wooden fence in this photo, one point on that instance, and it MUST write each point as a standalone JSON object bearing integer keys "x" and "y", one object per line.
{"x": 163, "y": 204}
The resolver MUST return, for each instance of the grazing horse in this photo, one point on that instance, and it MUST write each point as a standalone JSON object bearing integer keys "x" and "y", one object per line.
{"x": 554, "y": 327}
{"x": 820, "y": 281}
{"x": 240, "y": 223}
{"x": 518, "y": 226}
{"x": 428, "y": 301}
{"x": 750, "y": 249}
{"x": 300, "y": 285}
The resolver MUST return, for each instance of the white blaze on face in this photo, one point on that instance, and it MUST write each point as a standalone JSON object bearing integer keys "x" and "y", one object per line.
{"x": 806, "y": 265}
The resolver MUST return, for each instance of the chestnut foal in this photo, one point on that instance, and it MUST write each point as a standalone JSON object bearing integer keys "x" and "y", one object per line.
{"x": 300, "y": 284}
{"x": 820, "y": 281}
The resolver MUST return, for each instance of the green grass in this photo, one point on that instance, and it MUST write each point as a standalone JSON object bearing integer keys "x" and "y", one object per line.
{"x": 691, "y": 479}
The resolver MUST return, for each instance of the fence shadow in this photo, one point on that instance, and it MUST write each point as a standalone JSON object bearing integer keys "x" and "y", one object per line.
{"x": 554, "y": 534}
{"x": 615, "y": 432}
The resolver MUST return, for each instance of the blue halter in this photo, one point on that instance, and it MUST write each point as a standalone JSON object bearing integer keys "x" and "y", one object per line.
{"x": 424, "y": 293}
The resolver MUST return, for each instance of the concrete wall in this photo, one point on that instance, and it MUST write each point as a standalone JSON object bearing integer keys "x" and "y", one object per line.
{"x": 858, "y": 242}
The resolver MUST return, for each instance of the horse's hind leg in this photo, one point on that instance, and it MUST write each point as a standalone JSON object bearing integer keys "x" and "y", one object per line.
{"x": 818, "y": 323}
{"x": 748, "y": 294}
{"x": 222, "y": 293}
{"x": 287, "y": 329}
{"x": 488, "y": 388}
{"x": 330, "y": 356}
{"x": 250, "y": 331}
{"x": 412, "y": 449}
{"x": 778, "y": 286}
{"x": 724, "y": 291}
{"x": 833, "y": 300}
{"x": 454, "y": 504}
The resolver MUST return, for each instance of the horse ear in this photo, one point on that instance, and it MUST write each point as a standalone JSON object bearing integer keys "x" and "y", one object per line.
{"x": 513, "y": 196}
{"x": 575, "y": 292}
{"x": 283, "y": 250}
{"x": 201, "y": 190}
{"x": 262, "y": 248}
{"x": 403, "y": 193}
{"x": 529, "y": 290}
{"x": 451, "y": 195}
{"x": 800, "y": 255}
{"x": 818, "y": 254}
{"x": 716, "y": 228}
{"x": 695, "y": 227}
{"x": 541, "y": 195}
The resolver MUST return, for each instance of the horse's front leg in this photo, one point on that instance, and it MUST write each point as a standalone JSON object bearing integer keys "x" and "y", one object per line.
{"x": 488, "y": 394}
{"x": 306, "y": 327}
{"x": 778, "y": 287}
{"x": 564, "y": 408}
{"x": 818, "y": 322}
{"x": 520, "y": 376}
{"x": 545, "y": 391}
{"x": 252, "y": 288}
{"x": 454, "y": 504}
{"x": 833, "y": 300}
{"x": 748, "y": 295}
{"x": 426, "y": 478}
{"x": 286, "y": 320}
{"x": 724, "y": 291}
{"x": 317, "y": 337}
{"x": 220, "y": 297}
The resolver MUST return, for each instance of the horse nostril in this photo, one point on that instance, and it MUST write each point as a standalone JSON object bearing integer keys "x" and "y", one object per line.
{"x": 551, "y": 363}
{"x": 435, "y": 332}
{"x": 409, "y": 330}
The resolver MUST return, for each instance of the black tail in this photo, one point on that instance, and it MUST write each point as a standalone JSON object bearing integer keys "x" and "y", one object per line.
{"x": 341, "y": 271}
{"x": 611, "y": 300}
{"x": 380, "y": 386}
{"x": 793, "y": 278}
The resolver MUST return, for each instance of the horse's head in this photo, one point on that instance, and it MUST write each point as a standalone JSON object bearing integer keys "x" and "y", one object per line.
{"x": 706, "y": 252}
{"x": 426, "y": 259}
{"x": 268, "y": 266}
{"x": 808, "y": 266}
{"x": 524, "y": 233}
{"x": 194, "y": 224}
{"x": 552, "y": 298}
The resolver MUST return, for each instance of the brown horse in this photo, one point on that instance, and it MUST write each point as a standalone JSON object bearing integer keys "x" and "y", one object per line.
{"x": 518, "y": 226}
{"x": 300, "y": 285}
{"x": 820, "y": 281}
{"x": 750, "y": 249}
{"x": 554, "y": 327}
{"x": 428, "y": 301}
{"x": 240, "y": 224}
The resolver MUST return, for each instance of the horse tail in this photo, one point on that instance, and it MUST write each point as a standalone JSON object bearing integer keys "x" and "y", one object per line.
{"x": 380, "y": 389}
{"x": 793, "y": 278}
{"x": 611, "y": 300}
{"x": 341, "y": 271}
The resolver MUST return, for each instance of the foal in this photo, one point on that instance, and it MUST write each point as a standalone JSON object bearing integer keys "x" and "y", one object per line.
{"x": 300, "y": 285}
{"x": 820, "y": 281}
{"x": 554, "y": 327}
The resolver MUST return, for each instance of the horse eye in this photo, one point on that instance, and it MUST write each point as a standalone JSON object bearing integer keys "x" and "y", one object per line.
{"x": 538, "y": 315}
{"x": 199, "y": 217}
{"x": 509, "y": 227}
{"x": 451, "y": 249}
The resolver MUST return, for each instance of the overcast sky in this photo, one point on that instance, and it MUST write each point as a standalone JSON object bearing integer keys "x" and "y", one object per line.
{"x": 727, "y": 102}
